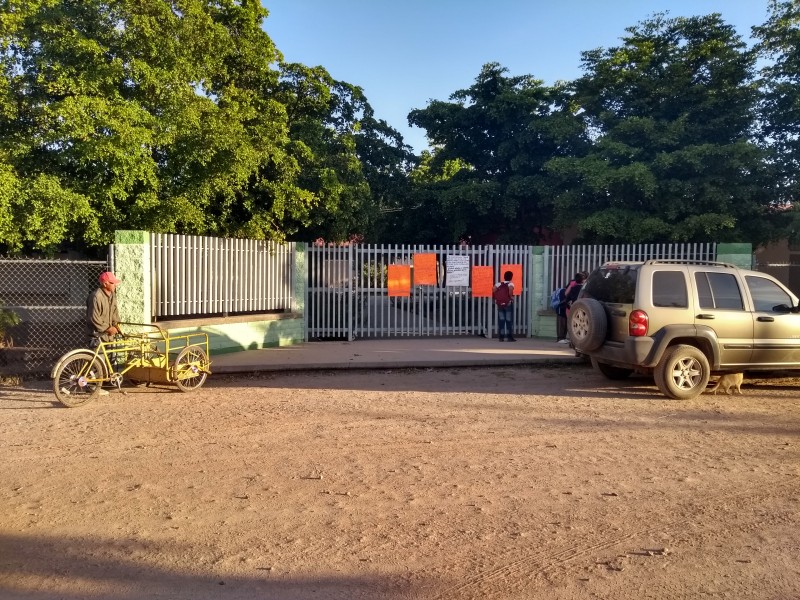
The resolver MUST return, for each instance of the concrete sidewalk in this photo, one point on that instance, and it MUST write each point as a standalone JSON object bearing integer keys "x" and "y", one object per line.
{"x": 396, "y": 353}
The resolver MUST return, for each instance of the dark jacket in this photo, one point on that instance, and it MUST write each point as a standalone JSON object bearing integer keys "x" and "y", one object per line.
{"x": 561, "y": 309}
{"x": 572, "y": 294}
{"x": 101, "y": 313}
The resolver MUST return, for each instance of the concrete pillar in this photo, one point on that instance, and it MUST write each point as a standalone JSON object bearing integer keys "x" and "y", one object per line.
{"x": 132, "y": 266}
{"x": 300, "y": 287}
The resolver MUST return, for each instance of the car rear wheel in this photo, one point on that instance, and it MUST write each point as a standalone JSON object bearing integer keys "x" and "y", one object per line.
{"x": 588, "y": 324}
{"x": 683, "y": 372}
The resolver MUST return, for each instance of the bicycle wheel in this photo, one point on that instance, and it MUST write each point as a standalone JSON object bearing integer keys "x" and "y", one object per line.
{"x": 190, "y": 368}
{"x": 70, "y": 383}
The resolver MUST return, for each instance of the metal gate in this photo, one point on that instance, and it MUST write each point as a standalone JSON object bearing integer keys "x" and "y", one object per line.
{"x": 348, "y": 292}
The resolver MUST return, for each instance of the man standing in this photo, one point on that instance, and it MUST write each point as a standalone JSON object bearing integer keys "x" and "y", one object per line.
{"x": 503, "y": 295}
{"x": 102, "y": 315}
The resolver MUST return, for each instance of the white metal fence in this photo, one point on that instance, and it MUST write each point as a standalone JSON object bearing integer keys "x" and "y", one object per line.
{"x": 348, "y": 294}
{"x": 565, "y": 261}
{"x": 197, "y": 275}
{"x": 347, "y": 288}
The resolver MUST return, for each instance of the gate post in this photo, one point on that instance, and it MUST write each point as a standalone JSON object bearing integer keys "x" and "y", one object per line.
{"x": 351, "y": 304}
{"x": 491, "y": 259}
{"x": 543, "y": 321}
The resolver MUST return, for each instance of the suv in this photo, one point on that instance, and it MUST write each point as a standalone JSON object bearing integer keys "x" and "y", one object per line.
{"x": 683, "y": 321}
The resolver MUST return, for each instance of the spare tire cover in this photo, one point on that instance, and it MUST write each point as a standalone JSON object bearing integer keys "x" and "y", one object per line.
{"x": 588, "y": 324}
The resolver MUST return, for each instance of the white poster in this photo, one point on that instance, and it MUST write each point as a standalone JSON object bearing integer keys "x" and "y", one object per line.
{"x": 457, "y": 270}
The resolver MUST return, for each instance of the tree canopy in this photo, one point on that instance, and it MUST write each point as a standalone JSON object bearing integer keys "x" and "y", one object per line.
{"x": 172, "y": 116}
{"x": 670, "y": 136}
{"x": 779, "y": 45}
{"x": 494, "y": 139}
{"x": 671, "y": 112}
{"x": 182, "y": 116}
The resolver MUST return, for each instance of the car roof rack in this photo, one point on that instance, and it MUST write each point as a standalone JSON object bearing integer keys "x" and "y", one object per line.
{"x": 677, "y": 261}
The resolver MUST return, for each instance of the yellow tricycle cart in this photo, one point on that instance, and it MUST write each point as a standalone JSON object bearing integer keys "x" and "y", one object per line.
{"x": 143, "y": 354}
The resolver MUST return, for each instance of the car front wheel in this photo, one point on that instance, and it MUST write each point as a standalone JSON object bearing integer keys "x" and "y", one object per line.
{"x": 682, "y": 373}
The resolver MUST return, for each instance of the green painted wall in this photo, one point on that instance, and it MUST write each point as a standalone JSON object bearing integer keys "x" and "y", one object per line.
{"x": 543, "y": 320}
{"x": 250, "y": 335}
{"x": 740, "y": 255}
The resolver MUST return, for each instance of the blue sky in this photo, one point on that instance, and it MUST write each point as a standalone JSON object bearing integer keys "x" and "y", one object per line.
{"x": 404, "y": 53}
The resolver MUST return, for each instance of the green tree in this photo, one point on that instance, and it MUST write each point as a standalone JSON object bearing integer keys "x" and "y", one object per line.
{"x": 416, "y": 216}
{"x": 671, "y": 113}
{"x": 351, "y": 162}
{"x": 779, "y": 45}
{"x": 387, "y": 163}
{"x": 145, "y": 114}
{"x": 500, "y": 132}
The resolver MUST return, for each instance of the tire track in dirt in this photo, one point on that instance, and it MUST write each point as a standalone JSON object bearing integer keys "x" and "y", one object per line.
{"x": 539, "y": 563}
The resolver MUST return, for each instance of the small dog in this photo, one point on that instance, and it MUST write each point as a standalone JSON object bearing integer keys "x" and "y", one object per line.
{"x": 730, "y": 382}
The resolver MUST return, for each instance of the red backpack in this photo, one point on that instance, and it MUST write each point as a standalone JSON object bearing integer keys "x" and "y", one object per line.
{"x": 502, "y": 294}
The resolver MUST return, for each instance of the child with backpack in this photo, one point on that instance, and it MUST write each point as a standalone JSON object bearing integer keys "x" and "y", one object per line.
{"x": 571, "y": 293}
{"x": 574, "y": 288}
{"x": 503, "y": 295}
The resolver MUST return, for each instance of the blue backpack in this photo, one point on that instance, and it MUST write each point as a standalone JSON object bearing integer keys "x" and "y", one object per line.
{"x": 557, "y": 298}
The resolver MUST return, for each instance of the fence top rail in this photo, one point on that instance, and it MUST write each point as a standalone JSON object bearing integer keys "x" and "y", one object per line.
{"x": 60, "y": 261}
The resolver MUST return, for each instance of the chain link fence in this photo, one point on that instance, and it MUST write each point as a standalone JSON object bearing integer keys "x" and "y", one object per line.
{"x": 42, "y": 311}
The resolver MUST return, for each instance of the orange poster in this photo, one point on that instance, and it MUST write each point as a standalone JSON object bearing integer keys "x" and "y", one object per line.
{"x": 400, "y": 280}
{"x": 517, "y": 280}
{"x": 425, "y": 269}
{"x": 482, "y": 283}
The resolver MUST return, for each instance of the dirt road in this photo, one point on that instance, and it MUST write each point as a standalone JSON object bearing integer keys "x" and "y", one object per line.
{"x": 425, "y": 484}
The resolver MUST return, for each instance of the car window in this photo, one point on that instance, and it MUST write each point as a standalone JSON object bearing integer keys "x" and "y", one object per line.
{"x": 612, "y": 284}
{"x": 718, "y": 290}
{"x": 669, "y": 289}
{"x": 766, "y": 294}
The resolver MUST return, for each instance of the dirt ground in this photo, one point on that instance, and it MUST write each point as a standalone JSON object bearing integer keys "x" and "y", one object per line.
{"x": 496, "y": 483}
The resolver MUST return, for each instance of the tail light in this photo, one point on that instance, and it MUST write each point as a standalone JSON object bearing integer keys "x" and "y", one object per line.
{"x": 638, "y": 323}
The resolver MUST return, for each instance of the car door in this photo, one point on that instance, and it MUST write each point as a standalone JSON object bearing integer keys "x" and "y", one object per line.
{"x": 776, "y": 336}
{"x": 721, "y": 307}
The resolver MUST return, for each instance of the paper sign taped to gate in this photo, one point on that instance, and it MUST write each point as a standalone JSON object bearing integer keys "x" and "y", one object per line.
{"x": 457, "y": 270}
{"x": 482, "y": 283}
{"x": 399, "y": 280}
{"x": 425, "y": 269}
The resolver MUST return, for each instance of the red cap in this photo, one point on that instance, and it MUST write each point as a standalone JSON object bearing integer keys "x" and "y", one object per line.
{"x": 108, "y": 277}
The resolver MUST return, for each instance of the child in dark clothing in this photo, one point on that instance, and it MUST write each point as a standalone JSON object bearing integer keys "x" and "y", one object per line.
{"x": 570, "y": 295}
{"x": 561, "y": 318}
